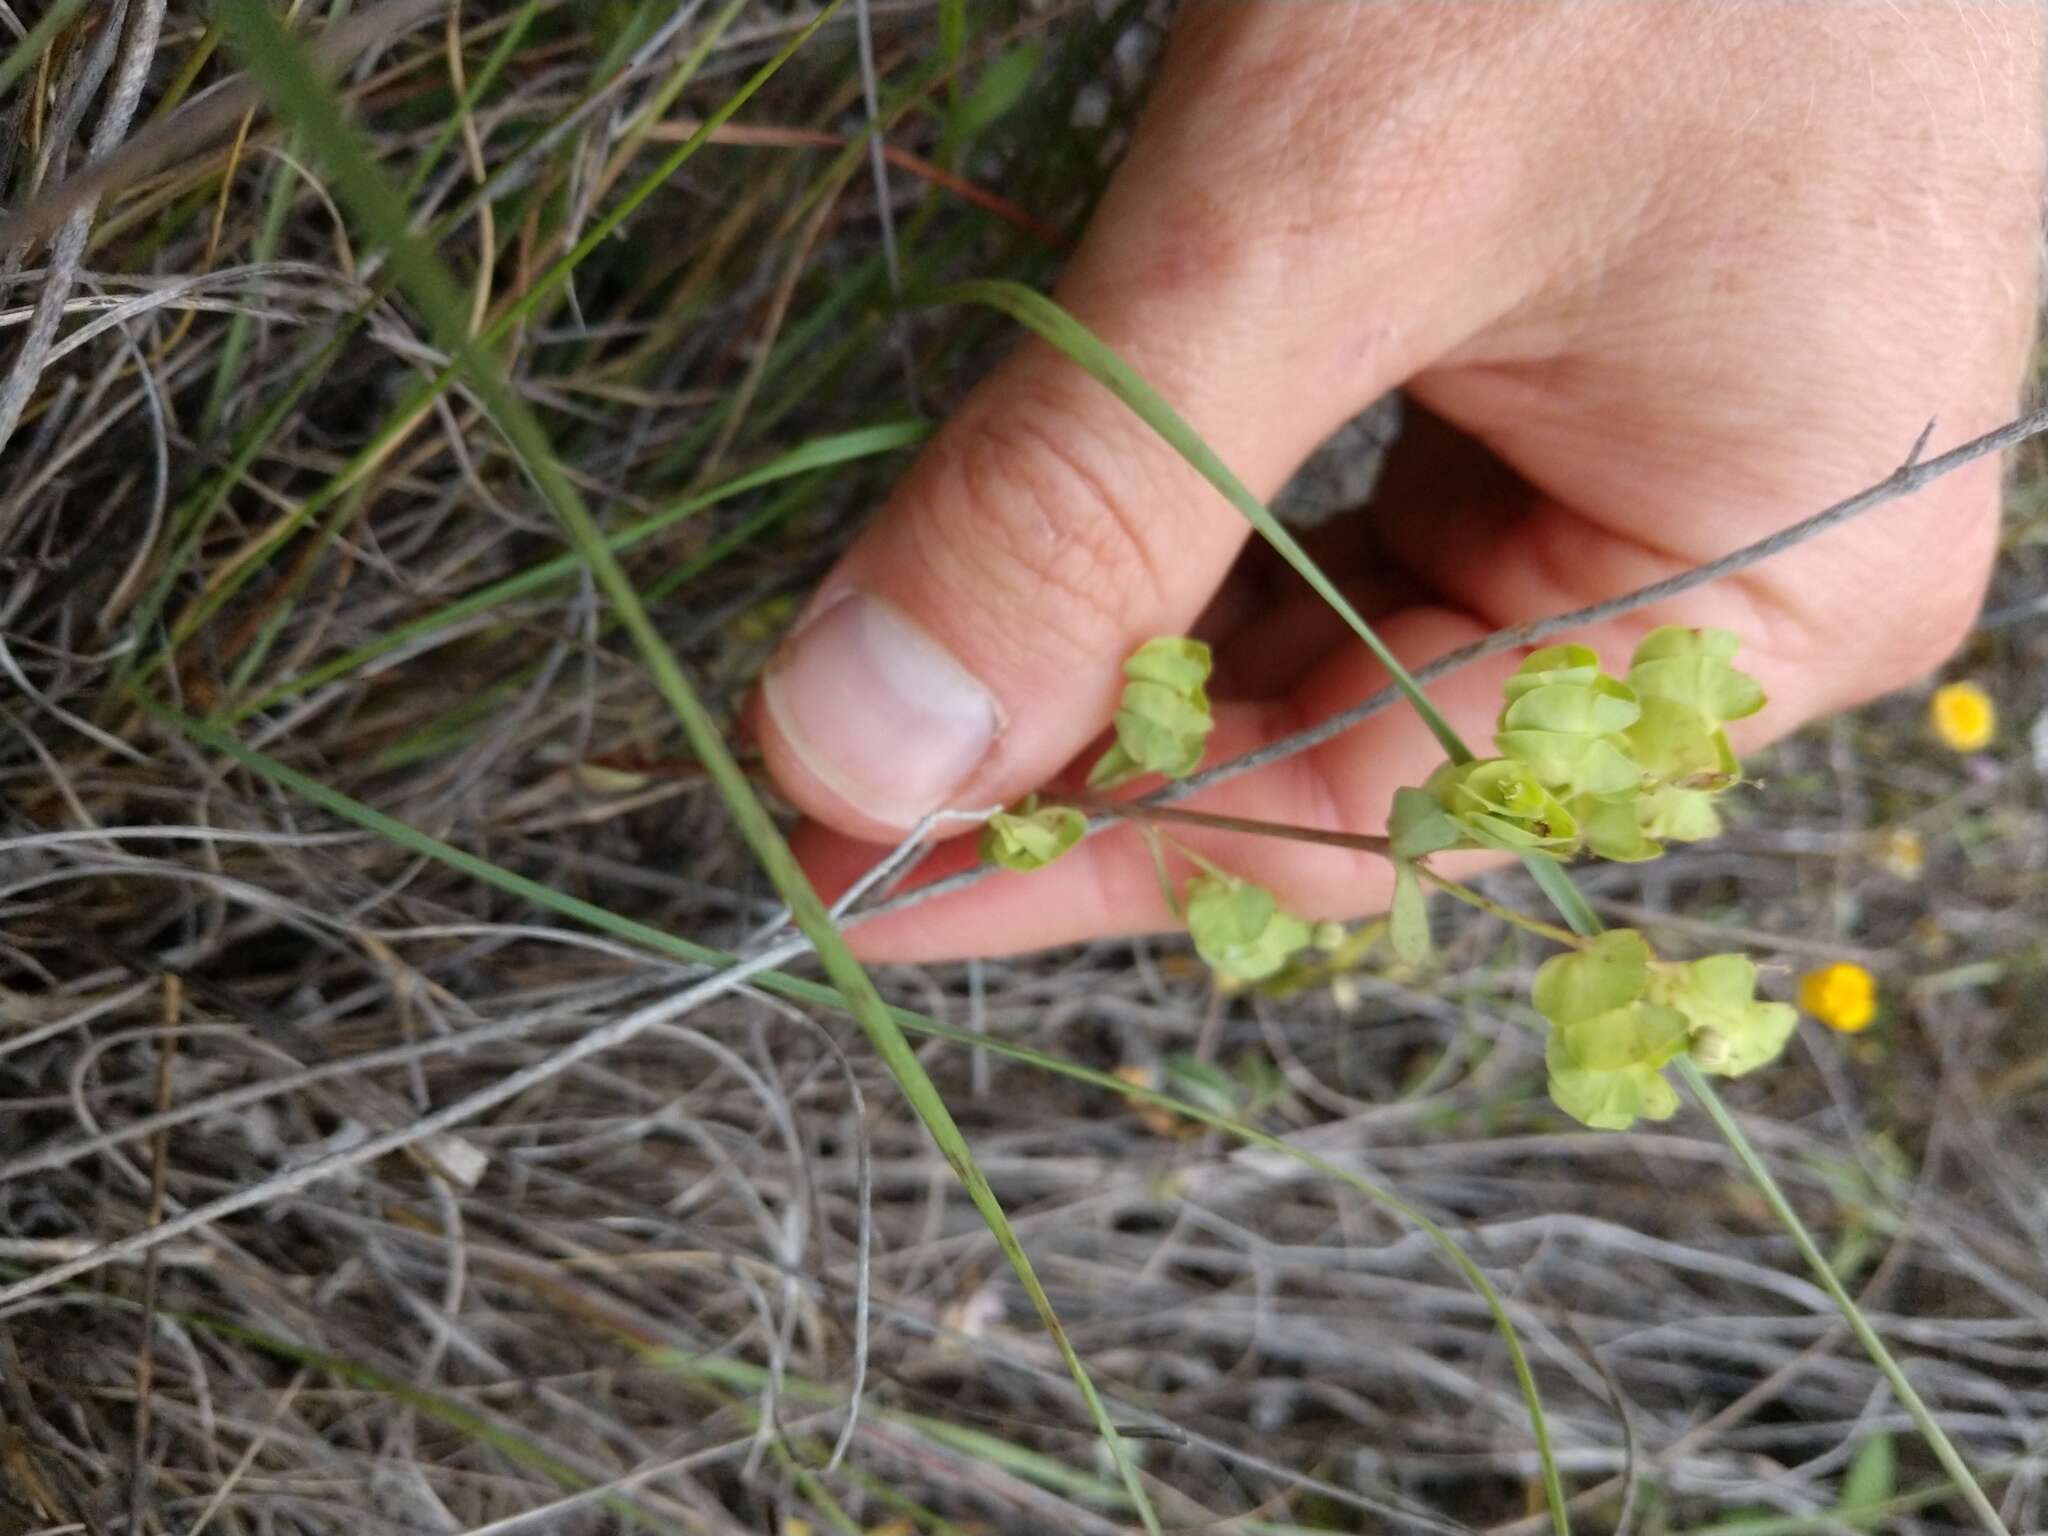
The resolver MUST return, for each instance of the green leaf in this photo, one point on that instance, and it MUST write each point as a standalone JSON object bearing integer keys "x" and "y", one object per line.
{"x": 1573, "y": 765}
{"x": 1611, "y": 972}
{"x": 1872, "y": 1478}
{"x": 1675, "y": 743}
{"x": 1239, "y": 929}
{"x": 1418, "y": 826}
{"x": 1031, "y": 836}
{"x": 1001, "y": 86}
{"x": 1174, "y": 662}
{"x": 1608, "y": 1101}
{"x": 1408, "y": 918}
{"x": 1679, "y": 815}
{"x": 1642, "y": 1034}
{"x": 1732, "y": 1031}
{"x": 1202, "y": 1082}
{"x": 1163, "y": 721}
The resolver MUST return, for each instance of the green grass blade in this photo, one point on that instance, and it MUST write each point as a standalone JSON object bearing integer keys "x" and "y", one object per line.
{"x": 299, "y": 94}
{"x": 25, "y": 53}
{"x": 1555, "y": 881}
{"x": 472, "y": 97}
{"x": 227, "y": 373}
{"x": 823, "y": 453}
{"x": 1052, "y": 323}
{"x": 1760, "y": 1174}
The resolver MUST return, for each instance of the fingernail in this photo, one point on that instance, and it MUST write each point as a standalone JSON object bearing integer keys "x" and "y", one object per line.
{"x": 879, "y": 710}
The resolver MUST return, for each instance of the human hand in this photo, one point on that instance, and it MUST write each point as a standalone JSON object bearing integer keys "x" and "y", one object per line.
{"x": 1663, "y": 280}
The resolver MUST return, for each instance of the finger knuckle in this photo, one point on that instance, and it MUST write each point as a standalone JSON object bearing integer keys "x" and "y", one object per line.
{"x": 1048, "y": 513}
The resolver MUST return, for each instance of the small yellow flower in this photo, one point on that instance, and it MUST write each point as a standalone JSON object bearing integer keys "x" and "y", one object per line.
{"x": 1842, "y": 996}
{"x": 1964, "y": 717}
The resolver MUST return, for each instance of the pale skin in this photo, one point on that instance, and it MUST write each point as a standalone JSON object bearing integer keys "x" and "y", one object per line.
{"x": 1661, "y": 279}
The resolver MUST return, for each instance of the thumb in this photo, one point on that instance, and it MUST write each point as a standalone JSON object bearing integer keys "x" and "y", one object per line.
{"x": 970, "y": 644}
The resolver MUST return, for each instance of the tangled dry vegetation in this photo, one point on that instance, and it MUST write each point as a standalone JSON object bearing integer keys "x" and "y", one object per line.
{"x": 637, "y": 1289}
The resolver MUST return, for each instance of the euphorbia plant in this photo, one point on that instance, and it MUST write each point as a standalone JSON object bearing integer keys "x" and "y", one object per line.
{"x": 1588, "y": 764}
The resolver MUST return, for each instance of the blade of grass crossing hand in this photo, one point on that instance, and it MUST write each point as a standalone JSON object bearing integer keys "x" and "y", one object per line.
{"x": 299, "y": 94}
{"x": 1055, "y": 325}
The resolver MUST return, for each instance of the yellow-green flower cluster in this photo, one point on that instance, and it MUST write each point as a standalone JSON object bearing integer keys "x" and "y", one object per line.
{"x": 1593, "y": 762}
{"x": 1618, "y": 1015}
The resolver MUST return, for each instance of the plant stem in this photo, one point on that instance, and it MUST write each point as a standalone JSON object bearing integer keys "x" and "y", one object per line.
{"x": 1937, "y": 1439}
{"x": 1472, "y": 898}
{"x": 1136, "y": 811}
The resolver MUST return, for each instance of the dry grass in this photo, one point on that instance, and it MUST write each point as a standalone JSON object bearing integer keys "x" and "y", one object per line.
{"x": 627, "y": 1296}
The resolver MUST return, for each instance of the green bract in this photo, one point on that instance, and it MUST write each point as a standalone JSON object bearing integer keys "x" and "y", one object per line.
{"x": 1592, "y": 762}
{"x": 1617, "y": 1015}
{"x": 1554, "y": 664}
{"x": 1563, "y": 718}
{"x": 1239, "y": 928}
{"x": 1731, "y": 1031}
{"x": 1688, "y": 689}
{"x": 1162, "y": 721}
{"x": 1608, "y": 1034}
{"x": 1608, "y": 1101}
{"x": 1691, "y": 667}
{"x": 1029, "y": 836}
{"x": 1500, "y": 803}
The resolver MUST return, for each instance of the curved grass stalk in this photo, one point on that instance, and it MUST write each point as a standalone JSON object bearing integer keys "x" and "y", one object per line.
{"x": 1055, "y": 325}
